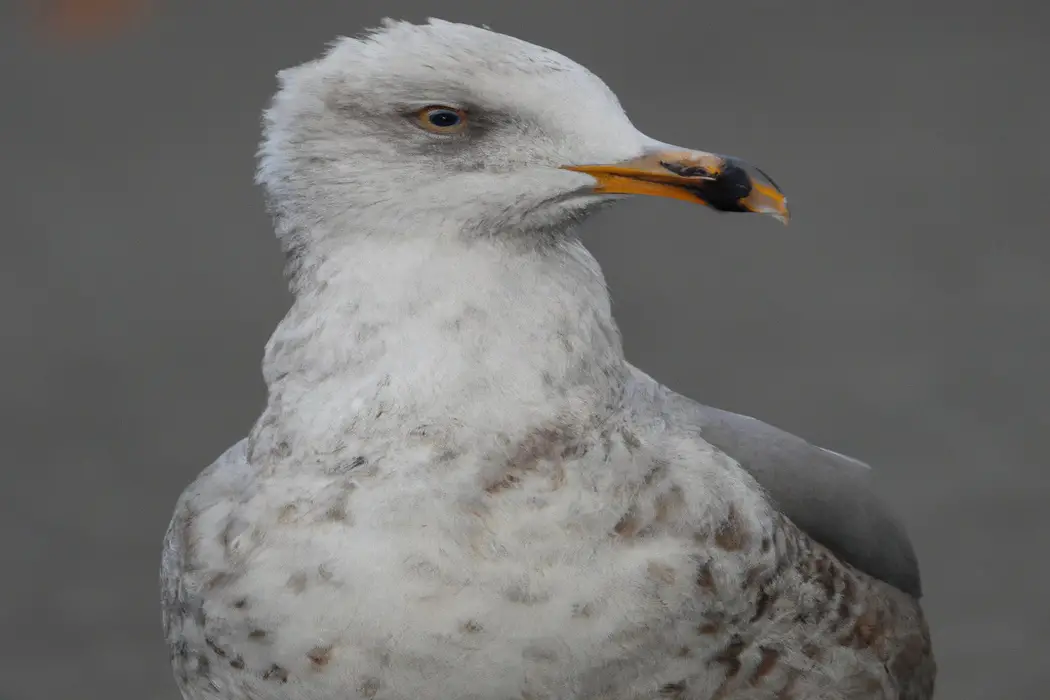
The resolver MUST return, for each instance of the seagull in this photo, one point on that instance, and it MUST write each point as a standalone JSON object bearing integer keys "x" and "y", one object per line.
{"x": 459, "y": 488}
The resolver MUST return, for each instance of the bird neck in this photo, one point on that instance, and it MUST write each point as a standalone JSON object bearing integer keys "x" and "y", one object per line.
{"x": 485, "y": 335}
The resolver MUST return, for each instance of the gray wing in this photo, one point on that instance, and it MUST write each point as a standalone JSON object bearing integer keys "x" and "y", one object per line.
{"x": 827, "y": 495}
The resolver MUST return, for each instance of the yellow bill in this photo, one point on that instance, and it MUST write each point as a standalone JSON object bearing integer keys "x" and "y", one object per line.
{"x": 720, "y": 182}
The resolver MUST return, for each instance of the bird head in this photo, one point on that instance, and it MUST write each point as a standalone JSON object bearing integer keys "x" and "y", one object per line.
{"x": 468, "y": 131}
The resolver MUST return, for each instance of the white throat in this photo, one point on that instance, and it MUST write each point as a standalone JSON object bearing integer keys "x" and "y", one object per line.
{"x": 487, "y": 337}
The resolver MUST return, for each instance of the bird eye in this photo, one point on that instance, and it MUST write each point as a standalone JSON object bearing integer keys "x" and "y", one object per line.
{"x": 442, "y": 120}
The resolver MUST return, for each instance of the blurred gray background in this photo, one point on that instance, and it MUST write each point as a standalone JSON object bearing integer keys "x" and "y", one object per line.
{"x": 903, "y": 318}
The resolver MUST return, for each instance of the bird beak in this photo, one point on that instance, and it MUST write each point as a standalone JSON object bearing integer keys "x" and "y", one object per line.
{"x": 720, "y": 182}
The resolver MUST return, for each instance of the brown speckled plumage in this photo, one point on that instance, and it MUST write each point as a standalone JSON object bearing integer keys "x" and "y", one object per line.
{"x": 794, "y": 623}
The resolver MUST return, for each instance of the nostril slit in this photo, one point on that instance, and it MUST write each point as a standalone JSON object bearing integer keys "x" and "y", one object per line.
{"x": 686, "y": 170}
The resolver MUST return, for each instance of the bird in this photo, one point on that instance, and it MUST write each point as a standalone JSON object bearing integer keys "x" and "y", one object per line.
{"x": 459, "y": 487}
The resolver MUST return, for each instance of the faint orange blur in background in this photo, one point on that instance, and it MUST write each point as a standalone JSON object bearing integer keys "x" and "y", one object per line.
{"x": 85, "y": 20}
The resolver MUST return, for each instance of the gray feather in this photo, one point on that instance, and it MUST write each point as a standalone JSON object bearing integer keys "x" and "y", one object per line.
{"x": 828, "y": 495}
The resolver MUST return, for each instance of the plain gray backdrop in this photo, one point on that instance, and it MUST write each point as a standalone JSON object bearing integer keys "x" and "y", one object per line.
{"x": 903, "y": 317}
